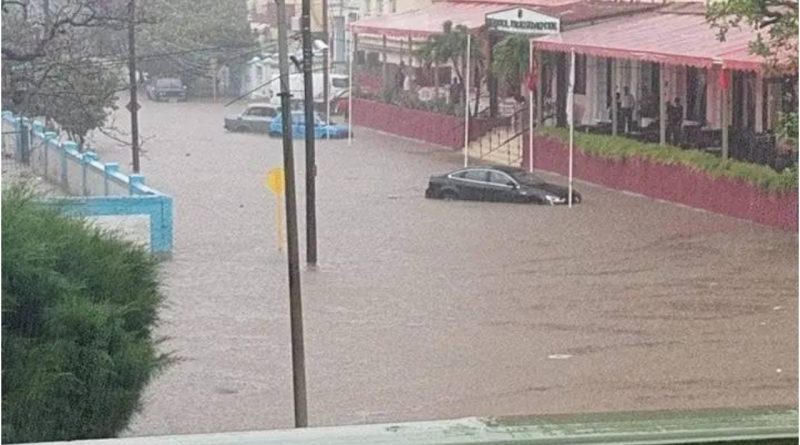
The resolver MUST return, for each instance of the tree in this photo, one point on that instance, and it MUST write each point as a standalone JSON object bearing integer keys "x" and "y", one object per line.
{"x": 79, "y": 309}
{"x": 774, "y": 20}
{"x": 77, "y": 94}
{"x": 776, "y": 41}
{"x": 451, "y": 47}
{"x": 60, "y": 60}
{"x": 510, "y": 61}
{"x": 193, "y": 34}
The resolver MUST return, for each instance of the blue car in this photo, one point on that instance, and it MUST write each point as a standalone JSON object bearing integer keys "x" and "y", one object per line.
{"x": 321, "y": 129}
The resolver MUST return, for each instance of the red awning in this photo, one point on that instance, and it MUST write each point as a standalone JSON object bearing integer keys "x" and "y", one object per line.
{"x": 472, "y": 13}
{"x": 426, "y": 21}
{"x": 685, "y": 39}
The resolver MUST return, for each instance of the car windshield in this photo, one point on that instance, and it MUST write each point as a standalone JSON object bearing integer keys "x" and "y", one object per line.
{"x": 169, "y": 83}
{"x": 527, "y": 178}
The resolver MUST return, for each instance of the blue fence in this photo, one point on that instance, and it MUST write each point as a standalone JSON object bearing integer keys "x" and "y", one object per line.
{"x": 96, "y": 188}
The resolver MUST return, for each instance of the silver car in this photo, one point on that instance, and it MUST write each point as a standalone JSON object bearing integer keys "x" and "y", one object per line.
{"x": 255, "y": 118}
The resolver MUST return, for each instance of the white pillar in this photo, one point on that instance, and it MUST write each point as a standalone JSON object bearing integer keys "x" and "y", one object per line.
{"x": 539, "y": 88}
{"x": 571, "y": 117}
{"x": 350, "y": 56}
{"x": 725, "y": 113}
{"x": 466, "y": 101}
{"x": 759, "y": 102}
{"x": 662, "y": 105}
{"x": 530, "y": 108}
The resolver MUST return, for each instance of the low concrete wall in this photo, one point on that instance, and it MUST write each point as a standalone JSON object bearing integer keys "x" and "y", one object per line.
{"x": 673, "y": 183}
{"x": 430, "y": 127}
{"x": 97, "y": 188}
{"x": 426, "y": 126}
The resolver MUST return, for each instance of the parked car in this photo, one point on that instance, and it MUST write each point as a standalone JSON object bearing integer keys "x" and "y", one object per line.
{"x": 497, "y": 183}
{"x": 256, "y": 118}
{"x": 168, "y": 88}
{"x": 321, "y": 128}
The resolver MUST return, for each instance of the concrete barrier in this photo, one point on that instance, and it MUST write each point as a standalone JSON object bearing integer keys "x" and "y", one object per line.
{"x": 675, "y": 183}
{"x": 100, "y": 189}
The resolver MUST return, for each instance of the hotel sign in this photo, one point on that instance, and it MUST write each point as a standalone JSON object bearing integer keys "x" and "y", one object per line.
{"x": 522, "y": 21}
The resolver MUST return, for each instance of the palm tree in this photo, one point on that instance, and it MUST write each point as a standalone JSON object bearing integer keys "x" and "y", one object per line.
{"x": 510, "y": 61}
{"x": 451, "y": 46}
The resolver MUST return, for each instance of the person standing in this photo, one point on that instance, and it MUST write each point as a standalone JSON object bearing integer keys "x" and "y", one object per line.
{"x": 400, "y": 76}
{"x": 628, "y": 103}
{"x": 674, "y": 121}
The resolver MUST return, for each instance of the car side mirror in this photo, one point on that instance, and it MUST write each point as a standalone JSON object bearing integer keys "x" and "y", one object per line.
{"x": 512, "y": 184}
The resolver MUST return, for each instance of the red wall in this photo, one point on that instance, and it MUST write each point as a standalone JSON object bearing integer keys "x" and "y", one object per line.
{"x": 672, "y": 183}
{"x": 369, "y": 82}
{"x": 423, "y": 125}
{"x": 426, "y": 126}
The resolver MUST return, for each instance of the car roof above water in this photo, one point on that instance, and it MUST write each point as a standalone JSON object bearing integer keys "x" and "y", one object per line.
{"x": 502, "y": 168}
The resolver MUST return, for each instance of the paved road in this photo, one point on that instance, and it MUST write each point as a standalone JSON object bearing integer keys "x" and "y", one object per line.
{"x": 427, "y": 309}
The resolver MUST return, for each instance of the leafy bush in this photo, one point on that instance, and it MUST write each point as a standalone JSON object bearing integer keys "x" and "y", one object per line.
{"x": 621, "y": 148}
{"x": 787, "y": 127}
{"x": 79, "y": 308}
{"x": 410, "y": 99}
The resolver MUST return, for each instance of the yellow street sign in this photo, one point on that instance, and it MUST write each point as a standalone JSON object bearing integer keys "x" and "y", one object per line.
{"x": 275, "y": 180}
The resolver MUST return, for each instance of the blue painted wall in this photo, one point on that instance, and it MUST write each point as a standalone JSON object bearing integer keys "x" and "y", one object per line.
{"x": 139, "y": 200}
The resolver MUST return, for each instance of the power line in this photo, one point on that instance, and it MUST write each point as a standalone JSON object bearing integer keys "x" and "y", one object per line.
{"x": 123, "y": 59}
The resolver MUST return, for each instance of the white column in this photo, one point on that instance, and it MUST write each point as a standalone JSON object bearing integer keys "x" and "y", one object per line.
{"x": 725, "y": 113}
{"x": 759, "y": 102}
{"x": 350, "y": 56}
{"x": 466, "y": 101}
{"x": 530, "y": 108}
{"x": 571, "y": 117}
{"x": 713, "y": 98}
{"x": 662, "y": 105}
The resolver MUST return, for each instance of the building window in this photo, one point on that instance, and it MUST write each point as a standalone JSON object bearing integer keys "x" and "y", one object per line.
{"x": 580, "y": 74}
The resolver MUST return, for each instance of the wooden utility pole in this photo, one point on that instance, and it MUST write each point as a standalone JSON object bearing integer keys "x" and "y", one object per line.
{"x": 133, "y": 105}
{"x": 293, "y": 257}
{"x": 311, "y": 168}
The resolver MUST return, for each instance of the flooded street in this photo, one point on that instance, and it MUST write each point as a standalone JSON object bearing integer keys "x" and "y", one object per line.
{"x": 426, "y": 309}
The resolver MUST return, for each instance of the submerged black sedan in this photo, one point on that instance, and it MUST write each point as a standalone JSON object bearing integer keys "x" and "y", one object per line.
{"x": 497, "y": 183}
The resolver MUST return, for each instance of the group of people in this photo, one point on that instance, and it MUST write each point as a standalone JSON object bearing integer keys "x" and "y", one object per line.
{"x": 626, "y": 104}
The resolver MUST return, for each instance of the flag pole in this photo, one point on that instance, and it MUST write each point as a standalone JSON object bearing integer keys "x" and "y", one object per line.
{"x": 350, "y": 56}
{"x": 570, "y": 106}
{"x": 530, "y": 107}
{"x": 466, "y": 103}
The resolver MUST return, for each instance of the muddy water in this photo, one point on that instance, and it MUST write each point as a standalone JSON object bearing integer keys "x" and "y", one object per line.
{"x": 426, "y": 309}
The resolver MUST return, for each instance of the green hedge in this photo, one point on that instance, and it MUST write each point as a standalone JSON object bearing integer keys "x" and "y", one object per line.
{"x": 79, "y": 309}
{"x": 621, "y": 148}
